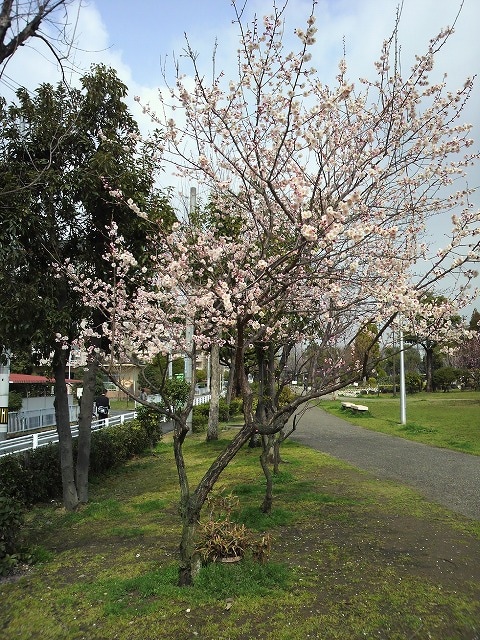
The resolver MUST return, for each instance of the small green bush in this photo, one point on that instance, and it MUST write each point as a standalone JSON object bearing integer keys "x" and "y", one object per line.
{"x": 385, "y": 388}
{"x": 15, "y": 401}
{"x": 236, "y": 406}
{"x": 14, "y": 478}
{"x": 200, "y": 418}
{"x": 286, "y": 397}
{"x": 225, "y": 412}
{"x": 413, "y": 382}
{"x": 43, "y": 468}
{"x": 113, "y": 446}
{"x": 151, "y": 421}
{"x": 35, "y": 476}
{"x": 11, "y": 521}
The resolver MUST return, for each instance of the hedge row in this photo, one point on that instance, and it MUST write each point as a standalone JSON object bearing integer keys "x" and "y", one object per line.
{"x": 225, "y": 411}
{"x": 35, "y": 476}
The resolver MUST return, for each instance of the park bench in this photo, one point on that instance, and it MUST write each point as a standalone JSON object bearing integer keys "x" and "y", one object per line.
{"x": 360, "y": 408}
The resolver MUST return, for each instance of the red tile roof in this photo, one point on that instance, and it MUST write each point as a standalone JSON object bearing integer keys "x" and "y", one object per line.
{"x": 23, "y": 378}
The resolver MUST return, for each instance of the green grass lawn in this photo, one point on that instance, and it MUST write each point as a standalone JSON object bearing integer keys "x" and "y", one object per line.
{"x": 449, "y": 420}
{"x": 122, "y": 405}
{"x": 353, "y": 557}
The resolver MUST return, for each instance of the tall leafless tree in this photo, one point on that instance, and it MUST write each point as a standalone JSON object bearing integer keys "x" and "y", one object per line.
{"x": 24, "y": 20}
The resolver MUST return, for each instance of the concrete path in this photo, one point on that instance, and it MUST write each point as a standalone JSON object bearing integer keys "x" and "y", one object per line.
{"x": 449, "y": 478}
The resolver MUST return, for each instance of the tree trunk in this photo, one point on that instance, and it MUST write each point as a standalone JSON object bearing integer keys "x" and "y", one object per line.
{"x": 268, "y": 498}
{"x": 85, "y": 430}
{"x": 191, "y": 503}
{"x": 276, "y": 453}
{"x": 185, "y": 575}
{"x": 230, "y": 384}
{"x": 239, "y": 366}
{"x": 429, "y": 369}
{"x": 62, "y": 417}
{"x": 190, "y": 517}
{"x": 212, "y": 429}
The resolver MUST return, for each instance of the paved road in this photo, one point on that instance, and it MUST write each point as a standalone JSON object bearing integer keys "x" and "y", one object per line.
{"x": 449, "y": 478}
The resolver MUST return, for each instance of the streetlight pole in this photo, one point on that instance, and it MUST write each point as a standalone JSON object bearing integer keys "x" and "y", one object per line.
{"x": 403, "y": 399}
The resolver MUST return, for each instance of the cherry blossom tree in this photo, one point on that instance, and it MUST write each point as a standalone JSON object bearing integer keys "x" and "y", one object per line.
{"x": 328, "y": 193}
{"x": 467, "y": 357}
{"x": 448, "y": 335}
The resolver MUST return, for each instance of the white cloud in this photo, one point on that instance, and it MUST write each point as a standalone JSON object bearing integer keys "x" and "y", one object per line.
{"x": 362, "y": 24}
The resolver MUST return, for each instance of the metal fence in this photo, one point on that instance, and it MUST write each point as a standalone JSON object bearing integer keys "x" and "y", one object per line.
{"x": 39, "y": 439}
{"x": 20, "y": 421}
{"x": 354, "y": 392}
{"x": 200, "y": 399}
{"x": 34, "y": 440}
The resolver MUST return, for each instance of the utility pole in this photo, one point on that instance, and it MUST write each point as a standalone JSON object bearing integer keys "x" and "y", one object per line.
{"x": 188, "y": 362}
{"x": 188, "y": 367}
{"x": 4, "y": 388}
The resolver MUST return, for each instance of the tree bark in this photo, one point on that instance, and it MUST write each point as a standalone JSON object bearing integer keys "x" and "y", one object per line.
{"x": 190, "y": 519}
{"x": 429, "y": 369}
{"x": 212, "y": 429}
{"x": 239, "y": 366}
{"x": 62, "y": 417}
{"x": 268, "y": 498}
{"x": 185, "y": 577}
{"x": 191, "y": 503}
{"x": 276, "y": 453}
{"x": 85, "y": 430}
{"x": 231, "y": 377}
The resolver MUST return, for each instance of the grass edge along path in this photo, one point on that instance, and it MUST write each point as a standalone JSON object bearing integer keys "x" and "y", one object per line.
{"x": 447, "y": 420}
{"x": 353, "y": 557}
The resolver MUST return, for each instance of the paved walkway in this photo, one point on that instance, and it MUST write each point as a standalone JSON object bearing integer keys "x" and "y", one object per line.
{"x": 449, "y": 478}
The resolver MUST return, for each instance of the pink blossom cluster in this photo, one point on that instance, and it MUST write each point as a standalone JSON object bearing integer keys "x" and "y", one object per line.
{"x": 321, "y": 198}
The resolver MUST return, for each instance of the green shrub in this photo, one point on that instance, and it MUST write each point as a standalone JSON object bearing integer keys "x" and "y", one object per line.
{"x": 286, "y": 396}
{"x": 236, "y": 406}
{"x": 413, "y": 382}
{"x": 42, "y": 465}
{"x": 151, "y": 421}
{"x": 200, "y": 418}
{"x": 11, "y": 521}
{"x": 385, "y": 388}
{"x": 445, "y": 377}
{"x": 225, "y": 412}
{"x": 14, "y": 477}
{"x": 113, "y": 446}
{"x": 35, "y": 475}
{"x": 15, "y": 401}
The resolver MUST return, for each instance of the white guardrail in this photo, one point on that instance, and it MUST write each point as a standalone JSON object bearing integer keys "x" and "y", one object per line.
{"x": 41, "y": 438}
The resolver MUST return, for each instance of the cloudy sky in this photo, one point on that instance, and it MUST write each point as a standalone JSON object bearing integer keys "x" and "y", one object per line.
{"x": 138, "y": 38}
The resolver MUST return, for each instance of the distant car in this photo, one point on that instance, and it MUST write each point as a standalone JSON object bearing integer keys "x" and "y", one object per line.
{"x": 294, "y": 382}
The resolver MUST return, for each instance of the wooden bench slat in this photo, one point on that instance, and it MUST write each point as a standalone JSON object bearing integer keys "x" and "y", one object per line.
{"x": 354, "y": 407}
